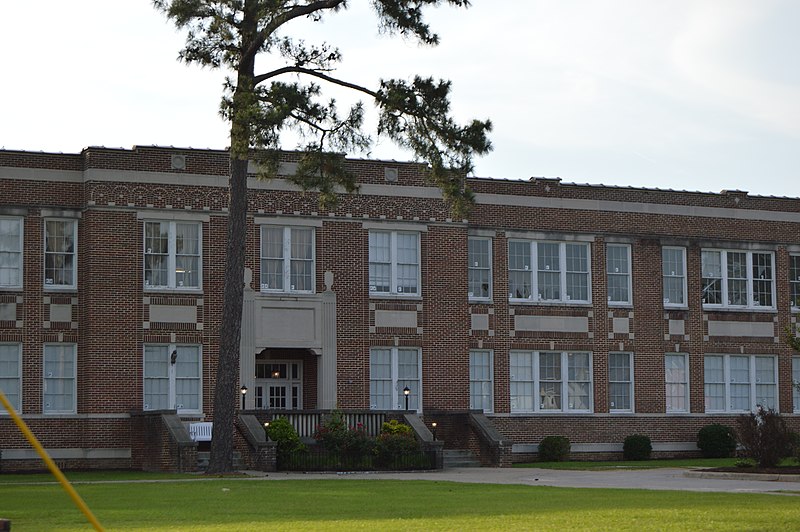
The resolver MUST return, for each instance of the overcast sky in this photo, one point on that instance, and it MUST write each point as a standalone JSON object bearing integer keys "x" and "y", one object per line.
{"x": 683, "y": 94}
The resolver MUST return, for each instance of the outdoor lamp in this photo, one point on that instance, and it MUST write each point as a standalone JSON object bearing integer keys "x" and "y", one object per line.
{"x": 266, "y": 429}
{"x": 243, "y": 390}
{"x": 433, "y": 426}
{"x": 406, "y": 392}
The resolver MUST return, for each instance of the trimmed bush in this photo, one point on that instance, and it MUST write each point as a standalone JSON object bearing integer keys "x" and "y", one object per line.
{"x": 637, "y": 447}
{"x": 395, "y": 427}
{"x": 282, "y": 432}
{"x": 553, "y": 449}
{"x": 716, "y": 441}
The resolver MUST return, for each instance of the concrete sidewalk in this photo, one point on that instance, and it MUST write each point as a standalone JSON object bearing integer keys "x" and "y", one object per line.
{"x": 651, "y": 479}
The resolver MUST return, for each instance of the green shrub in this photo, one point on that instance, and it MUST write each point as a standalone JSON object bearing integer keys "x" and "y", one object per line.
{"x": 395, "y": 427}
{"x": 282, "y": 432}
{"x": 744, "y": 463}
{"x": 336, "y": 437}
{"x": 394, "y": 440}
{"x": 764, "y": 437}
{"x": 716, "y": 441}
{"x": 637, "y": 447}
{"x": 553, "y": 449}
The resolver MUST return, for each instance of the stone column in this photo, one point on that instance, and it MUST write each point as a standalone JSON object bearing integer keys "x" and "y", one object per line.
{"x": 247, "y": 347}
{"x": 326, "y": 369}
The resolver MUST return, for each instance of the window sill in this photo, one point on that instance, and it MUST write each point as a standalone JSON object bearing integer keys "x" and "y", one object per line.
{"x": 620, "y": 305}
{"x": 182, "y": 291}
{"x": 276, "y": 293}
{"x": 529, "y": 303}
{"x": 51, "y": 288}
{"x": 759, "y": 310}
{"x": 412, "y": 297}
{"x": 622, "y": 412}
{"x": 480, "y": 300}
{"x": 676, "y": 307}
{"x": 553, "y": 413}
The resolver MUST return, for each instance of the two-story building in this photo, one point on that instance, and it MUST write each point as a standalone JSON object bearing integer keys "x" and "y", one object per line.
{"x": 586, "y": 311}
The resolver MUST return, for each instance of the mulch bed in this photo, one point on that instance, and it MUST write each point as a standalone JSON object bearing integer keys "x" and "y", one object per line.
{"x": 766, "y": 470}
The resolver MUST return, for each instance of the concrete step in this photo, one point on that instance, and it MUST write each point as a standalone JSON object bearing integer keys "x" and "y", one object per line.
{"x": 459, "y": 458}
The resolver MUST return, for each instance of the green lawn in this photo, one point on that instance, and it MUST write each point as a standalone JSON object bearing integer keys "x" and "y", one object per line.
{"x": 344, "y": 504}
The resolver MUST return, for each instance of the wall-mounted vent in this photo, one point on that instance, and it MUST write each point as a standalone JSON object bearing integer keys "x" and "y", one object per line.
{"x": 390, "y": 174}
{"x": 179, "y": 162}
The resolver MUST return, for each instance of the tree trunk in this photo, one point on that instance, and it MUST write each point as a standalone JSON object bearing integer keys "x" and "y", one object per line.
{"x": 225, "y": 391}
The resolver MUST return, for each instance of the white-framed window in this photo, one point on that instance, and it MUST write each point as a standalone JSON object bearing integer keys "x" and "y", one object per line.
{"x": 391, "y": 370}
{"x": 548, "y": 271}
{"x": 796, "y": 383}
{"x": 740, "y": 383}
{"x": 673, "y": 268}
{"x": 173, "y": 377}
{"x": 738, "y": 279}
{"x": 11, "y": 252}
{"x": 479, "y": 267}
{"x": 481, "y": 380}
{"x": 11, "y": 375}
{"x": 60, "y": 253}
{"x": 394, "y": 265}
{"x": 676, "y": 377}
{"x": 173, "y": 255}
{"x": 794, "y": 281}
{"x": 550, "y": 381}
{"x": 287, "y": 259}
{"x": 620, "y": 382}
{"x": 60, "y": 378}
{"x": 618, "y": 273}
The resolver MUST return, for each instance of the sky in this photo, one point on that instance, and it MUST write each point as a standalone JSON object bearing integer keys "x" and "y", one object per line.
{"x": 686, "y": 94}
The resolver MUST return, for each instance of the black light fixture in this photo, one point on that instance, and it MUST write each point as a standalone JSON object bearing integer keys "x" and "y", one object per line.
{"x": 433, "y": 427}
{"x": 243, "y": 391}
{"x": 406, "y": 392}
{"x": 174, "y": 357}
{"x": 266, "y": 429}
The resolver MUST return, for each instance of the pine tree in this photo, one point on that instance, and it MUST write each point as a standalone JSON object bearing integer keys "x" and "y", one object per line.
{"x": 231, "y": 34}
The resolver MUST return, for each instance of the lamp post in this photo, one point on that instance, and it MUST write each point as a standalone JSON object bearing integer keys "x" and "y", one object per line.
{"x": 243, "y": 391}
{"x": 406, "y": 392}
{"x": 433, "y": 426}
{"x": 266, "y": 429}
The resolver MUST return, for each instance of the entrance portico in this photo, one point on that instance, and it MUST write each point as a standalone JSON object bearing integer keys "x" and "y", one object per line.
{"x": 288, "y": 349}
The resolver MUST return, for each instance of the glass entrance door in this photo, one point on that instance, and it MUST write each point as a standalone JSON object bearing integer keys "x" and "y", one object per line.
{"x": 279, "y": 385}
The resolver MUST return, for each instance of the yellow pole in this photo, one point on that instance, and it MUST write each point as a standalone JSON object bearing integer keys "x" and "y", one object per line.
{"x": 50, "y": 464}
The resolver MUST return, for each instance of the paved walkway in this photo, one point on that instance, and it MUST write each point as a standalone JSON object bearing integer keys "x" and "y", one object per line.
{"x": 651, "y": 479}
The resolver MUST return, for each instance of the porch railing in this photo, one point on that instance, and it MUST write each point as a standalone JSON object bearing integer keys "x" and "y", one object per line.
{"x": 307, "y": 422}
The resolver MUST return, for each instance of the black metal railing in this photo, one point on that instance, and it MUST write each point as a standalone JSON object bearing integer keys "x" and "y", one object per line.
{"x": 322, "y": 460}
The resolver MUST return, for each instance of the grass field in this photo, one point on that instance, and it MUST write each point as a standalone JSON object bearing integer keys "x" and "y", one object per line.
{"x": 343, "y": 504}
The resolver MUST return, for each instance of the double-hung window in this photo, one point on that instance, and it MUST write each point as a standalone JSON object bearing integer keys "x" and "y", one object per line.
{"x": 479, "y": 267}
{"x": 794, "y": 281}
{"x": 394, "y": 263}
{"x": 287, "y": 259}
{"x": 172, "y": 255}
{"x": 10, "y": 252}
{"x": 618, "y": 273}
{"x": 676, "y": 377}
{"x": 481, "y": 381}
{"x": 548, "y": 271}
{"x": 740, "y": 383}
{"x": 172, "y": 378}
{"x": 391, "y": 371}
{"x": 60, "y": 377}
{"x": 550, "y": 381}
{"x": 11, "y": 374}
{"x": 796, "y": 383}
{"x": 620, "y": 382}
{"x": 673, "y": 268}
{"x": 60, "y": 250}
{"x": 738, "y": 279}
